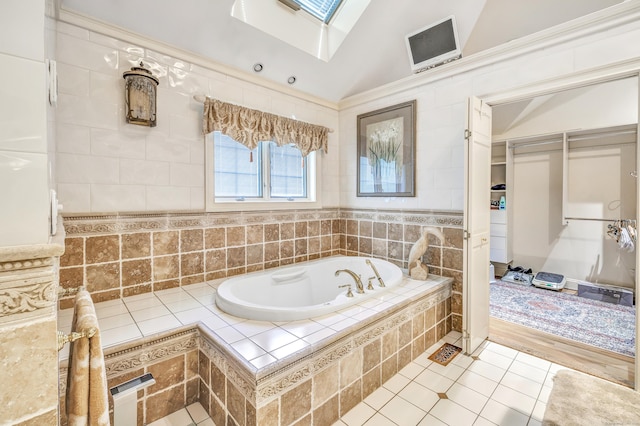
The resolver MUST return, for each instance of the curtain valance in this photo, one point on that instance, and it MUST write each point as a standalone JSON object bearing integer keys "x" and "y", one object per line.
{"x": 249, "y": 127}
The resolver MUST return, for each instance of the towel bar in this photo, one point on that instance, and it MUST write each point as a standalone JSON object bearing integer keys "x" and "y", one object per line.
{"x": 69, "y": 291}
{"x": 63, "y": 338}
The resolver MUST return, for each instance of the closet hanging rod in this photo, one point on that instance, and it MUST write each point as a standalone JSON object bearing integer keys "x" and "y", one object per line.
{"x": 593, "y": 219}
{"x": 601, "y": 135}
{"x": 525, "y": 144}
{"x": 202, "y": 98}
{"x": 601, "y": 145}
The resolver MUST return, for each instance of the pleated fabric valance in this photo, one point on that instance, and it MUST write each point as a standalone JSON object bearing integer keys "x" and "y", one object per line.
{"x": 249, "y": 127}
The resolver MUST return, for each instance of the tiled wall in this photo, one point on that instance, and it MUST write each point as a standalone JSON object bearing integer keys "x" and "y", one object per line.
{"x": 173, "y": 362}
{"x": 115, "y": 257}
{"x": 107, "y": 165}
{"x": 23, "y": 134}
{"x": 324, "y": 386}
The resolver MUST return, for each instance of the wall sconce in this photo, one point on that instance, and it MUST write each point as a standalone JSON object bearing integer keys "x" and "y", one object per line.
{"x": 140, "y": 96}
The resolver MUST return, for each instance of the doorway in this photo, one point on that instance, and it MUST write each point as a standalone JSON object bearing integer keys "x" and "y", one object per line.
{"x": 577, "y": 106}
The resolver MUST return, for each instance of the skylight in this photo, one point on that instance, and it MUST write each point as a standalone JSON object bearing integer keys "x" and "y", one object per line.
{"x": 321, "y": 9}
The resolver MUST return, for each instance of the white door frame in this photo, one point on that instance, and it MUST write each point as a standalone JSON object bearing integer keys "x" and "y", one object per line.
{"x": 589, "y": 77}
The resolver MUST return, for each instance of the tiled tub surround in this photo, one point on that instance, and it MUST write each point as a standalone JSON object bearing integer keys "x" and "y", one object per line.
{"x": 121, "y": 256}
{"x": 262, "y": 373}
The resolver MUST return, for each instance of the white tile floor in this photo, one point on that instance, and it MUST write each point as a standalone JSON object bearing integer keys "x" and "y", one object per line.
{"x": 193, "y": 415}
{"x": 495, "y": 386}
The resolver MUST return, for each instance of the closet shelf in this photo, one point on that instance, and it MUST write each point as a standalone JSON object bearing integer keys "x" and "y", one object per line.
{"x": 499, "y": 163}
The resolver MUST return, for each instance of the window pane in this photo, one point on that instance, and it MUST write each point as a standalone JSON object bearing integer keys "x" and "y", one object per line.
{"x": 288, "y": 172}
{"x": 236, "y": 175}
{"x": 321, "y": 9}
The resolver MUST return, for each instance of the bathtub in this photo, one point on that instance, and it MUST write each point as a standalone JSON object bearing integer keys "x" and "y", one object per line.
{"x": 304, "y": 290}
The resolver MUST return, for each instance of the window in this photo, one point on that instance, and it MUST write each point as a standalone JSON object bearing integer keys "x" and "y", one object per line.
{"x": 321, "y": 9}
{"x": 267, "y": 173}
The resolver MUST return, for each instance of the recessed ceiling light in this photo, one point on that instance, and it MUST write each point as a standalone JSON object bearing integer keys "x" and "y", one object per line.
{"x": 291, "y": 79}
{"x": 257, "y": 67}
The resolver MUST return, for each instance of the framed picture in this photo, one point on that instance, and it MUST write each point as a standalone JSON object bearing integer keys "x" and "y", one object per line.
{"x": 386, "y": 152}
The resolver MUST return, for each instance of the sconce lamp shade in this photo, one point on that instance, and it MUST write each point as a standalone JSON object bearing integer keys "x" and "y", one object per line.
{"x": 140, "y": 96}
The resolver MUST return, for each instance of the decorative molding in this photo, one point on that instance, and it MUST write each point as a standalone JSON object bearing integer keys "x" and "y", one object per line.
{"x": 109, "y": 224}
{"x": 120, "y": 362}
{"x": 27, "y": 285}
{"x": 25, "y": 264}
{"x": 27, "y": 298}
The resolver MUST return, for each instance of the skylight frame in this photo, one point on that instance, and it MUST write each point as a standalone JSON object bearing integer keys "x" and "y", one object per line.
{"x": 323, "y": 10}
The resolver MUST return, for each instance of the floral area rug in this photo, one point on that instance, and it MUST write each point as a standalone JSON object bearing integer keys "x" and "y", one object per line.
{"x": 601, "y": 324}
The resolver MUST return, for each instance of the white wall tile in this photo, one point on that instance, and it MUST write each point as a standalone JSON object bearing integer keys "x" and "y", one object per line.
{"x": 22, "y": 29}
{"x": 197, "y": 198}
{"x": 172, "y": 102}
{"x": 185, "y": 81}
{"x": 168, "y": 198}
{"x": 141, "y": 172}
{"x": 73, "y": 139}
{"x": 24, "y": 195}
{"x": 197, "y": 152}
{"x": 85, "y": 54}
{"x": 185, "y": 127}
{"x": 118, "y": 198}
{"x": 22, "y": 105}
{"x": 187, "y": 174}
{"x": 120, "y": 144}
{"x": 107, "y": 88}
{"x": 226, "y": 91}
{"x": 162, "y": 148}
{"x": 169, "y": 61}
{"x": 75, "y": 197}
{"x": 73, "y": 168}
{"x": 87, "y": 112}
{"x": 73, "y": 80}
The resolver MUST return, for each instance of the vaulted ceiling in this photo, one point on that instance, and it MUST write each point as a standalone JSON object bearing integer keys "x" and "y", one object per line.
{"x": 372, "y": 54}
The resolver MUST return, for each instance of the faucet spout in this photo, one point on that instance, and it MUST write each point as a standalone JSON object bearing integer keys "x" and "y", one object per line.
{"x": 356, "y": 278}
{"x": 375, "y": 271}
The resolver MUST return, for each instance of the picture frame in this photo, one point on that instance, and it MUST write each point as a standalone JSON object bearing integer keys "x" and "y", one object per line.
{"x": 386, "y": 151}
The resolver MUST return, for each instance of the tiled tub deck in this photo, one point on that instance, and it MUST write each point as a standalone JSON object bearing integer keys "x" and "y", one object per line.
{"x": 262, "y": 373}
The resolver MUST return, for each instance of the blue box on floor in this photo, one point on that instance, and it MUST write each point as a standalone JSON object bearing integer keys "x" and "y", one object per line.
{"x": 606, "y": 293}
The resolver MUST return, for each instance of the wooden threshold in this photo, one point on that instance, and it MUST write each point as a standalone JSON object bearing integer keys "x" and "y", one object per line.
{"x": 578, "y": 356}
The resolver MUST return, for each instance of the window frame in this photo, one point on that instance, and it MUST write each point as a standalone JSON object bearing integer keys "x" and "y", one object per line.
{"x": 213, "y": 204}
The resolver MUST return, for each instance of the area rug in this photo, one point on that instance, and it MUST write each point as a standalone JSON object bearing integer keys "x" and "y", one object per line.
{"x": 601, "y": 324}
{"x": 445, "y": 354}
{"x": 578, "y": 399}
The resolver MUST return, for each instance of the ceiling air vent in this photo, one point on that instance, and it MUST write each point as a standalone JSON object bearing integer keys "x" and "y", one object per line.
{"x": 290, "y": 4}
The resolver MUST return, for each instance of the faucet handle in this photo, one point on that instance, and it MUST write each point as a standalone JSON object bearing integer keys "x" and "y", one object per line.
{"x": 370, "y": 284}
{"x": 348, "y": 287}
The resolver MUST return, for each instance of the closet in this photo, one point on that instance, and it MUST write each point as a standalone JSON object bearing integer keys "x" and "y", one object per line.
{"x": 568, "y": 162}
{"x": 562, "y": 191}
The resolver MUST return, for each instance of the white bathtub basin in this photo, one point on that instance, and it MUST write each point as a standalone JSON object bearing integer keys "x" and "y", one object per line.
{"x": 304, "y": 290}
